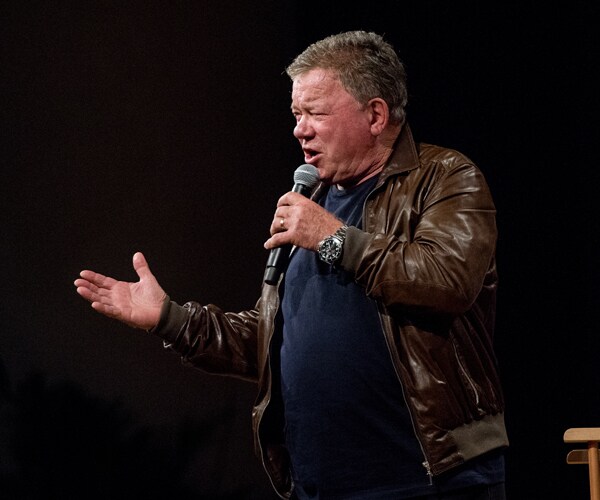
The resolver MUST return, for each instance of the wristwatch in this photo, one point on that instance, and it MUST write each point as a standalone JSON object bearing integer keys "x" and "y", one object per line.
{"x": 330, "y": 249}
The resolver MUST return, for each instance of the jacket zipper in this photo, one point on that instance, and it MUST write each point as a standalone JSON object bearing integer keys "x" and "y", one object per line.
{"x": 425, "y": 462}
{"x": 466, "y": 375}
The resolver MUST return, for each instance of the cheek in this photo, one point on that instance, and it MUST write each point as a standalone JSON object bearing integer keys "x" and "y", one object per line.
{"x": 352, "y": 141}
{"x": 355, "y": 128}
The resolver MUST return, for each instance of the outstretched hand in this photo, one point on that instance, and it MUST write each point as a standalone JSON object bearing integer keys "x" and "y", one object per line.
{"x": 135, "y": 304}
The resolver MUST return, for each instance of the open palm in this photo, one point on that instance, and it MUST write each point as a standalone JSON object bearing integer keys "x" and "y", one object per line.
{"x": 136, "y": 304}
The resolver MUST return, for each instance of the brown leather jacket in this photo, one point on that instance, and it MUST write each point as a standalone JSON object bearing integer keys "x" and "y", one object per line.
{"x": 426, "y": 255}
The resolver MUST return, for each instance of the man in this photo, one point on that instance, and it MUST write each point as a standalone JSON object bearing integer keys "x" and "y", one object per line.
{"x": 373, "y": 354}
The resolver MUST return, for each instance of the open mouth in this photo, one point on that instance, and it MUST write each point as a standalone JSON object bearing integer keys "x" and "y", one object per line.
{"x": 310, "y": 154}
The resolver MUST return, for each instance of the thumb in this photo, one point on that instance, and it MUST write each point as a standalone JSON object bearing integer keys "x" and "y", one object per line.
{"x": 141, "y": 266}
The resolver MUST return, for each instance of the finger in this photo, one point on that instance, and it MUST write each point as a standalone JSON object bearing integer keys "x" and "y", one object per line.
{"x": 289, "y": 198}
{"x": 277, "y": 240}
{"x": 89, "y": 284}
{"x": 107, "y": 309}
{"x": 83, "y": 286}
{"x": 283, "y": 224}
{"x": 97, "y": 279}
{"x": 141, "y": 266}
{"x": 278, "y": 225}
{"x": 85, "y": 292}
{"x": 269, "y": 244}
{"x": 89, "y": 294}
{"x": 81, "y": 282}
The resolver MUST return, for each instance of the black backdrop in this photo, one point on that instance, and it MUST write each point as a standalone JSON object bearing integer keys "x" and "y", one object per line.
{"x": 165, "y": 127}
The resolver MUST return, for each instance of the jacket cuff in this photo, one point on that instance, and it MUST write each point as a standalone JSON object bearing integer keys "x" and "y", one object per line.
{"x": 172, "y": 318}
{"x": 355, "y": 245}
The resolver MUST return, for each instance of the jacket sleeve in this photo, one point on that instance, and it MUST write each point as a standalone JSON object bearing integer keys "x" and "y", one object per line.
{"x": 430, "y": 249}
{"x": 214, "y": 341}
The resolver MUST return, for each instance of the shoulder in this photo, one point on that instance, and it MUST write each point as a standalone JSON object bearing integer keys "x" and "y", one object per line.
{"x": 432, "y": 156}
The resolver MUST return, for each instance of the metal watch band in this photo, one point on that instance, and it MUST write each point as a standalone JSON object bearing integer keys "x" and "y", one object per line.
{"x": 330, "y": 249}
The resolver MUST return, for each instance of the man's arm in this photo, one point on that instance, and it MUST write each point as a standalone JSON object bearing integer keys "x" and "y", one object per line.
{"x": 437, "y": 260}
{"x": 205, "y": 337}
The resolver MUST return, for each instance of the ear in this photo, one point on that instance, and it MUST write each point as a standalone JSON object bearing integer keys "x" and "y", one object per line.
{"x": 380, "y": 115}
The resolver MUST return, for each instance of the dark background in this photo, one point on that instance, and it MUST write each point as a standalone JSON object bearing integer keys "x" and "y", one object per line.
{"x": 165, "y": 127}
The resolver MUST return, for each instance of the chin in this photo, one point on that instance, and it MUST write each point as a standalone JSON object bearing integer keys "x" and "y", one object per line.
{"x": 324, "y": 178}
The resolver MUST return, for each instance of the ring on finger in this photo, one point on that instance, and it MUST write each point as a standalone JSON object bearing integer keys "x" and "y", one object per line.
{"x": 281, "y": 223}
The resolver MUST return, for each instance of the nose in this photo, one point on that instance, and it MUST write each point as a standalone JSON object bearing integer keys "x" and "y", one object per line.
{"x": 303, "y": 129}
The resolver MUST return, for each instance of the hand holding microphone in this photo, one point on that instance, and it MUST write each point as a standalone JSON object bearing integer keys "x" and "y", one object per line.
{"x": 306, "y": 177}
{"x": 298, "y": 221}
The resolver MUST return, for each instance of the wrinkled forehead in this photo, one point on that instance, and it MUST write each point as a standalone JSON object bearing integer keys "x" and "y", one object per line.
{"x": 317, "y": 79}
{"x": 316, "y": 84}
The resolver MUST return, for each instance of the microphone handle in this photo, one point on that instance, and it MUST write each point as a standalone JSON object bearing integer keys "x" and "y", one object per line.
{"x": 277, "y": 264}
{"x": 280, "y": 256}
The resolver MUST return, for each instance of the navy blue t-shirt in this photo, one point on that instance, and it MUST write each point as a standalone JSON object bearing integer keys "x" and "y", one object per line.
{"x": 348, "y": 429}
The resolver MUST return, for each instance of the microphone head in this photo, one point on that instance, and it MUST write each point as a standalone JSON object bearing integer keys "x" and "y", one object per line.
{"x": 307, "y": 175}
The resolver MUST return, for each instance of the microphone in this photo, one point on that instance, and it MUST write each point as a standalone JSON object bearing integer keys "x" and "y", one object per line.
{"x": 306, "y": 177}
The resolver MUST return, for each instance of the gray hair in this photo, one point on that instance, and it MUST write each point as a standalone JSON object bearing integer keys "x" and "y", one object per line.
{"x": 366, "y": 65}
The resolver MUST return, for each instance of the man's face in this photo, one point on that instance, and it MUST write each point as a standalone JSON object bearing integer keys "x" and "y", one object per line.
{"x": 333, "y": 128}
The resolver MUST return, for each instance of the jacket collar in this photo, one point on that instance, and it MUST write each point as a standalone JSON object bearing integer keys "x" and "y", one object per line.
{"x": 404, "y": 156}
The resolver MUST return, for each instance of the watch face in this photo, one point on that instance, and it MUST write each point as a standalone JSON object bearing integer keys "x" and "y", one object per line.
{"x": 330, "y": 250}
